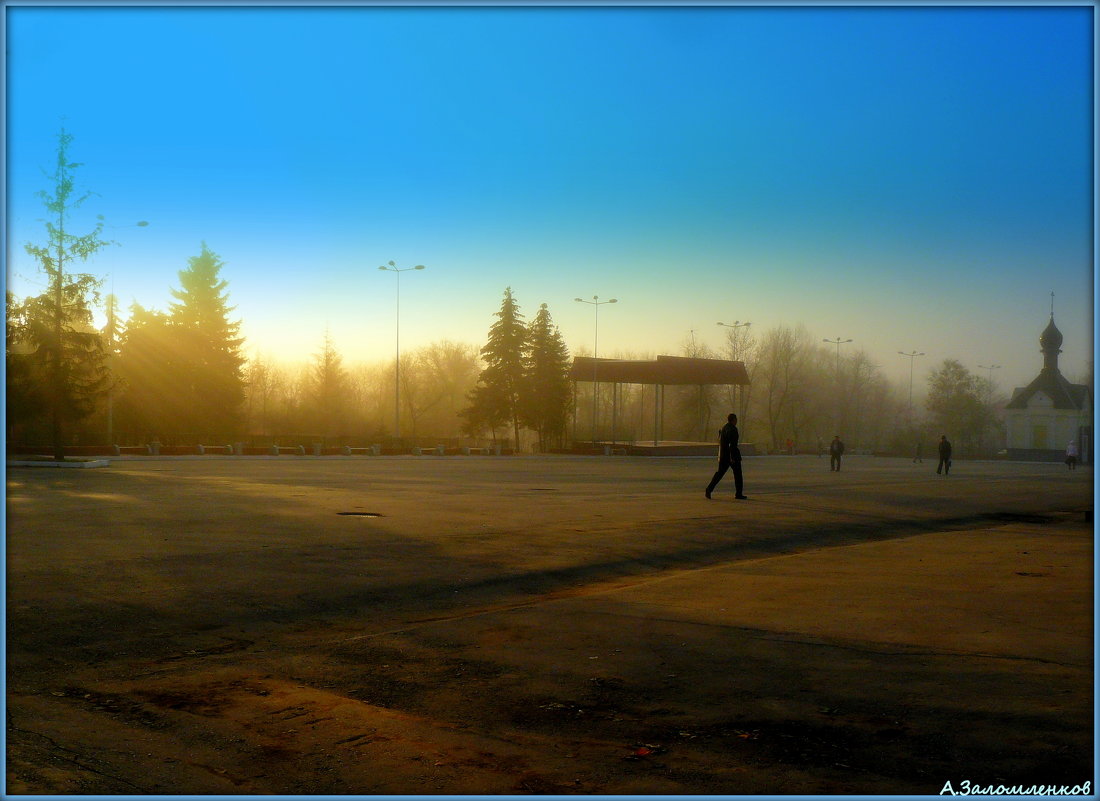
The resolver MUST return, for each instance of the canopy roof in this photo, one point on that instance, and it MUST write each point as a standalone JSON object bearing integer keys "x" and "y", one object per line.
{"x": 666, "y": 370}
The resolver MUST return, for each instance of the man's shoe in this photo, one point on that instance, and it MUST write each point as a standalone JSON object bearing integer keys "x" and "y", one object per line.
{"x": 741, "y": 497}
{"x": 707, "y": 493}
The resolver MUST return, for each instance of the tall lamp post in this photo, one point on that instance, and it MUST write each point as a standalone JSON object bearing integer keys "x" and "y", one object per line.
{"x": 912, "y": 355}
{"x": 740, "y": 390}
{"x": 992, "y": 367}
{"x": 838, "y": 342}
{"x": 393, "y": 268}
{"x": 595, "y": 303}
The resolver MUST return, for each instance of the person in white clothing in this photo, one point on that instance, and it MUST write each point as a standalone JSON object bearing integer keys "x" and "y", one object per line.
{"x": 1071, "y": 455}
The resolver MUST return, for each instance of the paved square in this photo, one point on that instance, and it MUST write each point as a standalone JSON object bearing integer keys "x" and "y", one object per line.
{"x": 547, "y": 624}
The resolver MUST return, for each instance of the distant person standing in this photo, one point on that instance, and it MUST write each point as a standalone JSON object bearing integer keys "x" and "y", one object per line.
{"x": 1071, "y": 455}
{"x": 728, "y": 456}
{"x": 916, "y": 454}
{"x": 836, "y": 450}
{"x": 945, "y": 456}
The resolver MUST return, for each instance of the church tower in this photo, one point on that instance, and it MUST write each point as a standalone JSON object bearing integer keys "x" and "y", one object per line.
{"x": 1050, "y": 412}
{"x": 1050, "y": 343}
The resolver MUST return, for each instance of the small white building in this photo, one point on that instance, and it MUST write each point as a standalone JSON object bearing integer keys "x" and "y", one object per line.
{"x": 1050, "y": 412}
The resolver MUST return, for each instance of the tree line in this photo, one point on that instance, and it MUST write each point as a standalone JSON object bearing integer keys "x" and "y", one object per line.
{"x": 182, "y": 376}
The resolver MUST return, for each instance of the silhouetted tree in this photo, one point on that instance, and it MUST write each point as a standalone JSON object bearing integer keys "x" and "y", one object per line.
{"x": 955, "y": 403}
{"x": 212, "y": 347}
{"x": 741, "y": 346}
{"x": 500, "y": 385}
{"x": 786, "y": 371}
{"x": 329, "y": 388}
{"x": 58, "y": 323}
{"x": 27, "y": 373}
{"x": 258, "y": 381}
{"x": 547, "y": 392}
{"x": 152, "y": 369}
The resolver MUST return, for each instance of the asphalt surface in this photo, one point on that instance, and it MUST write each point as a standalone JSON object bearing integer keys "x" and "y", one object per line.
{"x": 562, "y": 625}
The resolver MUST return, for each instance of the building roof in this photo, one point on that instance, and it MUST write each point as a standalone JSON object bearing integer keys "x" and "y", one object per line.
{"x": 1053, "y": 384}
{"x": 665, "y": 370}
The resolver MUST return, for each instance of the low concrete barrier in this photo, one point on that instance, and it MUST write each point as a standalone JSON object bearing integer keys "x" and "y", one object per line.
{"x": 148, "y": 450}
{"x": 373, "y": 450}
{"x": 300, "y": 450}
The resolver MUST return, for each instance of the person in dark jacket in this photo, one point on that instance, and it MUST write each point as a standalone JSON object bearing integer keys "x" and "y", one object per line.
{"x": 836, "y": 450}
{"x": 728, "y": 456}
{"x": 945, "y": 456}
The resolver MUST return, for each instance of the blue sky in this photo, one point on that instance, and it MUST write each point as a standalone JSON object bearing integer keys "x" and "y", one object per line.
{"x": 911, "y": 178}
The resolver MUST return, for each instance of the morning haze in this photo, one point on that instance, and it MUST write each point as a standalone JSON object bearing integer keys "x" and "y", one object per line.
{"x": 403, "y": 341}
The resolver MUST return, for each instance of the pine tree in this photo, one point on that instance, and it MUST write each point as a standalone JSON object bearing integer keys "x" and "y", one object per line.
{"x": 500, "y": 385}
{"x": 112, "y": 333}
{"x": 329, "y": 389}
{"x": 58, "y": 322}
{"x": 212, "y": 346}
{"x": 547, "y": 390}
{"x": 154, "y": 399}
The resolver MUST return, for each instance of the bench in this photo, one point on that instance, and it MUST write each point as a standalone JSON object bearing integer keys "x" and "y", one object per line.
{"x": 300, "y": 450}
{"x": 148, "y": 450}
{"x": 373, "y": 450}
{"x": 204, "y": 448}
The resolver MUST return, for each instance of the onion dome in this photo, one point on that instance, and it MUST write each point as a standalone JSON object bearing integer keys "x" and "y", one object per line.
{"x": 1051, "y": 338}
{"x": 1050, "y": 342}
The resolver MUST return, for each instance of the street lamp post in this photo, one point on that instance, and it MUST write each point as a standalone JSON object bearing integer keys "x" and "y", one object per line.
{"x": 740, "y": 390}
{"x": 991, "y": 368}
{"x": 393, "y": 268}
{"x": 912, "y": 355}
{"x": 838, "y": 342}
{"x": 595, "y": 303}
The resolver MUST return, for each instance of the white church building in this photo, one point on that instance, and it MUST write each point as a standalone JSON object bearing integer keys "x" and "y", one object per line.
{"x": 1050, "y": 412}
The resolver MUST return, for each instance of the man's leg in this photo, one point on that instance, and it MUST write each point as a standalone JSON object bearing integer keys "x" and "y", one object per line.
{"x": 738, "y": 479}
{"x": 723, "y": 466}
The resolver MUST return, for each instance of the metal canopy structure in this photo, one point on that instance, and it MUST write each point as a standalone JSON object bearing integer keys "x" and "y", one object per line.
{"x": 661, "y": 372}
{"x": 664, "y": 371}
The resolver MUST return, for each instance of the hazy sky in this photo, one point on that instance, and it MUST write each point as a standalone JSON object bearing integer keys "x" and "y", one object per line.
{"x": 911, "y": 178}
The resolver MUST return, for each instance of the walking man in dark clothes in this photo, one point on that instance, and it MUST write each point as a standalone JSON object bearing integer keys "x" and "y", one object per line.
{"x": 836, "y": 450}
{"x": 945, "y": 456}
{"x": 728, "y": 456}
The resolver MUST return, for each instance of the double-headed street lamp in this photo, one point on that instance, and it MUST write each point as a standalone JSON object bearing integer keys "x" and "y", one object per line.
{"x": 838, "y": 342}
{"x": 741, "y": 390}
{"x": 912, "y": 355}
{"x": 595, "y": 303}
{"x": 393, "y": 268}
{"x": 990, "y": 368}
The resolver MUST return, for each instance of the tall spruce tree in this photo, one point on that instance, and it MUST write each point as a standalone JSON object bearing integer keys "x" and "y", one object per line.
{"x": 154, "y": 399}
{"x": 498, "y": 393}
{"x": 212, "y": 346}
{"x": 330, "y": 389}
{"x": 70, "y": 352}
{"x": 547, "y": 390}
